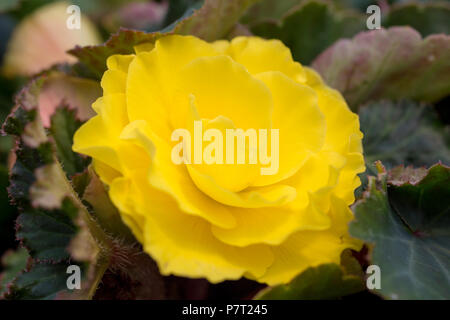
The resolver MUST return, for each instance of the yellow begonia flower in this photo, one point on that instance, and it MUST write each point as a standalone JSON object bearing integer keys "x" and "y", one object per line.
{"x": 226, "y": 221}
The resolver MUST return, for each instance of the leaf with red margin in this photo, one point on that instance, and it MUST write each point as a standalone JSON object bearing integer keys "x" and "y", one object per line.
{"x": 408, "y": 222}
{"x": 389, "y": 63}
{"x": 210, "y": 22}
{"x": 51, "y": 214}
{"x": 13, "y": 262}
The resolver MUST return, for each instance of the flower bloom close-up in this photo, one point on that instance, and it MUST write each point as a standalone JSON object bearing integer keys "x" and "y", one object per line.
{"x": 224, "y": 221}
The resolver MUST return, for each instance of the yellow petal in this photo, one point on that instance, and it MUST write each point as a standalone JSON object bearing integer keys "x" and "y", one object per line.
{"x": 300, "y": 122}
{"x": 223, "y": 87}
{"x": 174, "y": 179}
{"x": 183, "y": 244}
{"x": 302, "y": 250}
{"x": 341, "y": 122}
{"x": 114, "y": 80}
{"x": 152, "y": 77}
{"x": 260, "y": 55}
{"x": 219, "y": 179}
{"x": 306, "y": 249}
{"x": 249, "y": 198}
{"x": 270, "y": 225}
{"x": 110, "y": 120}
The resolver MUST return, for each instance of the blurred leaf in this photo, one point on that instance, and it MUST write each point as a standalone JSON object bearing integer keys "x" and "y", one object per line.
{"x": 324, "y": 282}
{"x": 268, "y": 10}
{"x": 49, "y": 43}
{"x": 388, "y": 64}
{"x": 409, "y": 224}
{"x": 93, "y": 8}
{"x": 210, "y": 22}
{"x": 7, "y": 25}
{"x": 8, "y": 213}
{"x": 428, "y": 18}
{"x": 403, "y": 133}
{"x": 356, "y": 4}
{"x": 13, "y": 262}
{"x": 8, "y": 88}
{"x": 214, "y": 19}
{"x": 145, "y": 16}
{"x": 27, "y": 7}
{"x": 178, "y": 8}
{"x": 394, "y": 2}
{"x": 6, "y": 5}
{"x": 310, "y": 28}
{"x": 122, "y": 42}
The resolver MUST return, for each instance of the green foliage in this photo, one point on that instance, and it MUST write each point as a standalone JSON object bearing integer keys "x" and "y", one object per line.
{"x": 177, "y": 8}
{"x": 407, "y": 219}
{"x": 388, "y": 64}
{"x": 210, "y": 22}
{"x": 356, "y": 4}
{"x": 428, "y": 18}
{"x": 324, "y": 282}
{"x": 50, "y": 211}
{"x": 310, "y": 28}
{"x": 43, "y": 281}
{"x": 268, "y": 10}
{"x": 6, "y": 5}
{"x": 403, "y": 133}
{"x": 13, "y": 262}
{"x": 64, "y": 124}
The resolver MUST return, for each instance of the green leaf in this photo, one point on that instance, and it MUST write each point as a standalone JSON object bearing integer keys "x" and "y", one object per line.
{"x": 427, "y": 18}
{"x": 210, "y": 22}
{"x": 52, "y": 217}
{"x": 310, "y": 28}
{"x": 268, "y": 10}
{"x": 388, "y": 64}
{"x": 355, "y": 4}
{"x": 13, "y": 262}
{"x": 403, "y": 132}
{"x": 317, "y": 283}
{"x": 6, "y": 5}
{"x": 214, "y": 19}
{"x": 177, "y": 8}
{"x": 63, "y": 126}
{"x": 7, "y": 212}
{"x": 122, "y": 42}
{"x": 324, "y": 282}
{"x": 47, "y": 234}
{"x": 408, "y": 223}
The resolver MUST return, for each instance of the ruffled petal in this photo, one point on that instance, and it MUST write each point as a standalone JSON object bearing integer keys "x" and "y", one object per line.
{"x": 183, "y": 244}
{"x": 174, "y": 179}
{"x": 261, "y": 55}
{"x": 300, "y": 122}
